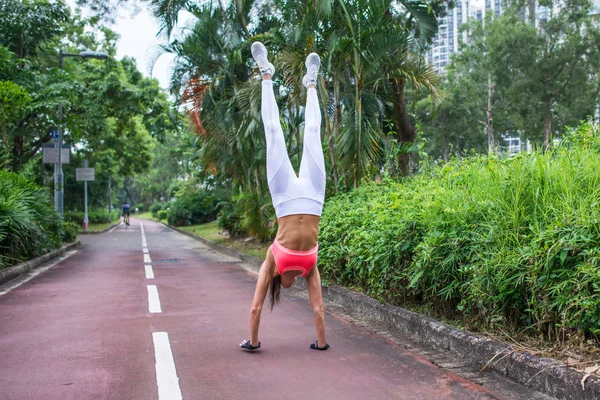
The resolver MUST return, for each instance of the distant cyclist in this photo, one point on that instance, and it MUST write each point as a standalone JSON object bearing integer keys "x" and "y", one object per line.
{"x": 126, "y": 213}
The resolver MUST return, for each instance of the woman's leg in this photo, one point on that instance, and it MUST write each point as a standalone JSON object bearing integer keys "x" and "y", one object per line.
{"x": 312, "y": 166}
{"x": 316, "y": 301}
{"x": 279, "y": 167}
{"x": 265, "y": 275}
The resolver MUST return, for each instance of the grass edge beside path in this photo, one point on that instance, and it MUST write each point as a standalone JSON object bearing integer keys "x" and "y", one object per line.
{"x": 145, "y": 215}
{"x": 212, "y": 232}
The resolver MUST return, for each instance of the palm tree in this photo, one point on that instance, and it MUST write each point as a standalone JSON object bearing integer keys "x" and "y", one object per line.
{"x": 369, "y": 55}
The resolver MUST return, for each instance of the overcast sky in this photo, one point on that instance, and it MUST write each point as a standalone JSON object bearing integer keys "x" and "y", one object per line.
{"x": 137, "y": 35}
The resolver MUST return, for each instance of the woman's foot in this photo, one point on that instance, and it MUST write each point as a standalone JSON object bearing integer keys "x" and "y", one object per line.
{"x": 315, "y": 346}
{"x": 259, "y": 53}
{"x": 313, "y": 63}
{"x": 248, "y": 346}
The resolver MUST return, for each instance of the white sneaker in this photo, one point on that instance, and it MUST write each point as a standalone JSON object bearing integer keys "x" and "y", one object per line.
{"x": 313, "y": 63}
{"x": 259, "y": 52}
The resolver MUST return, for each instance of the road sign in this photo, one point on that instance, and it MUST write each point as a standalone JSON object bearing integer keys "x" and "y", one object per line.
{"x": 54, "y": 134}
{"x": 50, "y": 155}
{"x": 85, "y": 174}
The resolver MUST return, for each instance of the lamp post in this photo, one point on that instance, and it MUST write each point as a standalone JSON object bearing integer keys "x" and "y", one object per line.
{"x": 58, "y": 172}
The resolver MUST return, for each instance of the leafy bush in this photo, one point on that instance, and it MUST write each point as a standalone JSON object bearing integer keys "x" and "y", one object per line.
{"x": 29, "y": 226}
{"x": 195, "y": 206}
{"x": 162, "y": 214}
{"x": 230, "y": 220}
{"x": 495, "y": 242}
{"x": 249, "y": 214}
{"x": 94, "y": 217}
{"x": 69, "y": 232}
{"x": 156, "y": 207}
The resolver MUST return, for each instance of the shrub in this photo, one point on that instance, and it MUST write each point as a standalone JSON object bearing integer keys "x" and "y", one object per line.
{"x": 195, "y": 207}
{"x": 495, "y": 242}
{"x": 69, "y": 232}
{"x": 249, "y": 214}
{"x": 162, "y": 214}
{"x": 156, "y": 207}
{"x": 94, "y": 217}
{"x": 230, "y": 220}
{"x": 29, "y": 226}
{"x": 74, "y": 216}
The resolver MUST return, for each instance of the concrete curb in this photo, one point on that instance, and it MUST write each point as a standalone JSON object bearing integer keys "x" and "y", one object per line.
{"x": 100, "y": 231}
{"x": 11, "y": 273}
{"x": 542, "y": 374}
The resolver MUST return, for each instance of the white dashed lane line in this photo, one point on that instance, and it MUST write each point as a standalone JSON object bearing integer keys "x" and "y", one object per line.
{"x": 153, "y": 299}
{"x": 149, "y": 271}
{"x": 166, "y": 375}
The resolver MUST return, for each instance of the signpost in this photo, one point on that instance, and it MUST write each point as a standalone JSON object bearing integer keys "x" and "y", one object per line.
{"x": 85, "y": 174}
{"x": 50, "y": 154}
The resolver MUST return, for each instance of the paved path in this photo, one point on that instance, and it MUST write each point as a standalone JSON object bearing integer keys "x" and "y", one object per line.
{"x": 84, "y": 330}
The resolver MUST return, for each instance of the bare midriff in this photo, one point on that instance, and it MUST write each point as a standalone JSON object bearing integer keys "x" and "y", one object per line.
{"x": 298, "y": 232}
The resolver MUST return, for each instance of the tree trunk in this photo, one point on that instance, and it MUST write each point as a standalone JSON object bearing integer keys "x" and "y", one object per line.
{"x": 17, "y": 154}
{"x": 129, "y": 196}
{"x": 547, "y": 125}
{"x": 5, "y": 158}
{"x": 358, "y": 125}
{"x": 446, "y": 151}
{"x": 332, "y": 130}
{"x": 489, "y": 126}
{"x": 406, "y": 132}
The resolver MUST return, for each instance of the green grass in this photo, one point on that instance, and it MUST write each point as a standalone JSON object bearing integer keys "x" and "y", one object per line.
{"x": 98, "y": 227}
{"x": 211, "y": 231}
{"x": 146, "y": 215}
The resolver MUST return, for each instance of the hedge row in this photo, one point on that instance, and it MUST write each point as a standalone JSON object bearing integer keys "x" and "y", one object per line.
{"x": 29, "y": 226}
{"x": 495, "y": 242}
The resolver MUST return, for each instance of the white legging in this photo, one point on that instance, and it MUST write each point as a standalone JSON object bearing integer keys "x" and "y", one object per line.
{"x": 305, "y": 193}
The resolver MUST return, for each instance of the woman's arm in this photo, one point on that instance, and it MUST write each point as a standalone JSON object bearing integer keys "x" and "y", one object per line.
{"x": 265, "y": 275}
{"x": 316, "y": 301}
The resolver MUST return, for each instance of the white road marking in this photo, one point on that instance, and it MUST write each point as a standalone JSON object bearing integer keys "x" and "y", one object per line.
{"x": 145, "y": 250}
{"x": 153, "y": 299}
{"x": 166, "y": 375}
{"x": 18, "y": 281}
{"x": 149, "y": 272}
{"x": 147, "y": 259}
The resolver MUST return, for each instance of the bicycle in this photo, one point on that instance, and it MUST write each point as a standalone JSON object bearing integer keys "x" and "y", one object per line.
{"x": 126, "y": 220}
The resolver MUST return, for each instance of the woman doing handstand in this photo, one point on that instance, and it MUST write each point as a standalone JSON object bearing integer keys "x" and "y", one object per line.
{"x": 298, "y": 202}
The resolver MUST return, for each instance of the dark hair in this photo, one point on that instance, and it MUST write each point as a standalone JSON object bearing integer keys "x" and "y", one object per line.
{"x": 275, "y": 291}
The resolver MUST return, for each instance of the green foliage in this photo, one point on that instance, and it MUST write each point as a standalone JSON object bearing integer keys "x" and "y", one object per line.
{"x": 94, "y": 217}
{"x": 26, "y": 26}
{"x": 517, "y": 76}
{"x": 161, "y": 214}
{"x": 249, "y": 214}
{"x": 29, "y": 225}
{"x": 156, "y": 207}
{"x": 69, "y": 232}
{"x": 497, "y": 242}
{"x": 194, "y": 205}
{"x": 230, "y": 220}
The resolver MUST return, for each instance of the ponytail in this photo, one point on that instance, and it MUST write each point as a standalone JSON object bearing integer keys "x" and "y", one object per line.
{"x": 275, "y": 291}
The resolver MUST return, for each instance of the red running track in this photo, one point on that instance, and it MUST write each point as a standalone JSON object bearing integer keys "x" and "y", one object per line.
{"x": 82, "y": 330}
